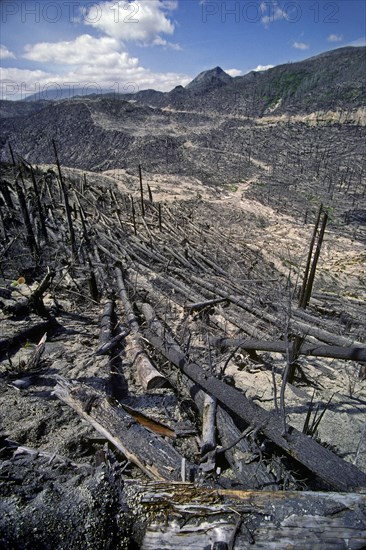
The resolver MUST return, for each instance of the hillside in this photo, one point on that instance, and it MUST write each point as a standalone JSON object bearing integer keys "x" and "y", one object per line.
{"x": 330, "y": 81}
{"x": 182, "y": 309}
{"x": 308, "y": 148}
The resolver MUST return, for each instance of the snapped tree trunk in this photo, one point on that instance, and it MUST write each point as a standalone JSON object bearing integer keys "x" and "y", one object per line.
{"x": 242, "y": 456}
{"x": 321, "y": 461}
{"x": 148, "y": 375}
{"x": 151, "y": 453}
{"x": 182, "y": 515}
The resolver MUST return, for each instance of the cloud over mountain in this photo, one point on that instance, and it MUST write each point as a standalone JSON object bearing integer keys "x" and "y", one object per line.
{"x": 142, "y": 22}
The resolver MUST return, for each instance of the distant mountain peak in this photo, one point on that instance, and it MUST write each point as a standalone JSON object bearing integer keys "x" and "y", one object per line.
{"x": 209, "y": 79}
{"x": 217, "y": 71}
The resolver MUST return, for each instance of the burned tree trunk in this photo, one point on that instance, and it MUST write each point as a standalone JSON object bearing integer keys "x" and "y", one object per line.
{"x": 66, "y": 202}
{"x": 302, "y": 302}
{"x": 187, "y": 516}
{"x": 31, "y": 241}
{"x": 353, "y": 353}
{"x": 148, "y": 376}
{"x": 243, "y": 455}
{"x": 152, "y": 454}
{"x": 330, "y": 468}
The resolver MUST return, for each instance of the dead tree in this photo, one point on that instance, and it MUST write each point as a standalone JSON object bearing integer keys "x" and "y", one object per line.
{"x": 148, "y": 376}
{"x": 140, "y": 445}
{"x": 187, "y": 516}
{"x": 321, "y": 461}
{"x": 66, "y": 202}
{"x": 241, "y": 452}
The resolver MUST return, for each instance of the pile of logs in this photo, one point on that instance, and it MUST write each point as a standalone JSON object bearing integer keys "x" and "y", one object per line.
{"x": 174, "y": 302}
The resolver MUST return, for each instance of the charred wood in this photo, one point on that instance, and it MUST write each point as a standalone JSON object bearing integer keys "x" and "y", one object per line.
{"x": 353, "y": 353}
{"x": 184, "y": 515}
{"x": 152, "y": 454}
{"x": 243, "y": 455}
{"x": 148, "y": 375}
{"x": 319, "y": 460}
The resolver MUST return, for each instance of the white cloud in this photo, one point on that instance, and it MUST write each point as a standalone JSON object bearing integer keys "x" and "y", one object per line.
{"x": 300, "y": 46}
{"x": 233, "y": 72}
{"x": 158, "y": 41}
{"x": 84, "y": 50}
{"x": 335, "y": 38}
{"x": 263, "y": 68}
{"x": 102, "y": 60}
{"x": 5, "y": 53}
{"x": 114, "y": 71}
{"x": 143, "y": 21}
{"x": 275, "y": 13}
{"x": 19, "y": 83}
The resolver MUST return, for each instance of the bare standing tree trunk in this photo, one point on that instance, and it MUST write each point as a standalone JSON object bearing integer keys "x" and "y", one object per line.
{"x": 310, "y": 284}
{"x": 307, "y": 269}
{"x": 66, "y": 203}
{"x": 23, "y": 207}
{"x": 141, "y": 193}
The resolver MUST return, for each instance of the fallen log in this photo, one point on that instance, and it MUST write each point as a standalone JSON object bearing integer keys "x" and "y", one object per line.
{"x": 147, "y": 374}
{"x": 352, "y": 353}
{"x": 106, "y": 342}
{"x": 105, "y": 332}
{"x": 179, "y": 258}
{"x": 152, "y": 454}
{"x": 111, "y": 512}
{"x": 152, "y": 254}
{"x": 322, "y": 335}
{"x": 201, "y": 305}
{"x": 182, "y": 515}
{"x": 209, "y": 262}
{"x": 208, "y": 440}
{"x": 107, "y": 353}
{"x": 216, "y": 289}
{"x": 242, "y": 457}
{"x": 295, "y": 326}
{"x": 319, "y": 460}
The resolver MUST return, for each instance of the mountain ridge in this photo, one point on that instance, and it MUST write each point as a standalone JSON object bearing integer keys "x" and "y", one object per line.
{"x": 212, "y": 78}
{"x": 299, "y": 77}
{"x": 207, "y": 134}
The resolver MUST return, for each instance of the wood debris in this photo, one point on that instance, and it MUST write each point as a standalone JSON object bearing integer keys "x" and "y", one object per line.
{"x": 142, "y": 321}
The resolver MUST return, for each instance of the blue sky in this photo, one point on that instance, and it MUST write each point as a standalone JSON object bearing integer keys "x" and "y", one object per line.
{"x": 126, "y": 45}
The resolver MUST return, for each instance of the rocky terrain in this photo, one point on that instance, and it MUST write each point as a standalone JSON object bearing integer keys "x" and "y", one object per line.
{"x": 129, "y": 294}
